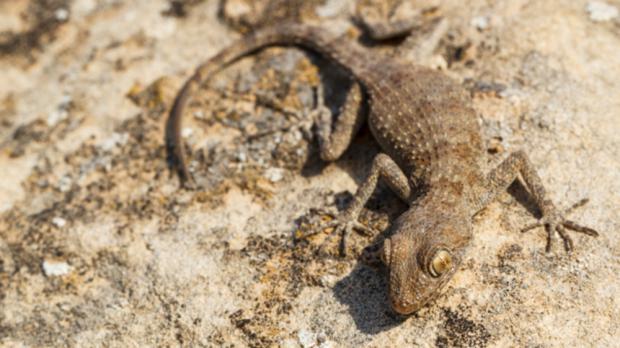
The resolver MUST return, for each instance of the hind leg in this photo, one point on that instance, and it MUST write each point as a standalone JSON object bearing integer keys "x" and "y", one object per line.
{"x": 335, "y": 136}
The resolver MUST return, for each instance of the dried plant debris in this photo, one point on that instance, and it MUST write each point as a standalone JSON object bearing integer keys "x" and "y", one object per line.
{"x": 285, "y": 270}
{"x": 242, "y": 14}
{"x": 462, "y": 332}
{"x": 86, "y": 186}
{"x": 266, "y": 112}
{"x": 41, "y": 20}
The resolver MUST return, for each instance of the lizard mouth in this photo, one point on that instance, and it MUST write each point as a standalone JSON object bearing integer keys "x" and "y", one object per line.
{"x": 403, "y": 308}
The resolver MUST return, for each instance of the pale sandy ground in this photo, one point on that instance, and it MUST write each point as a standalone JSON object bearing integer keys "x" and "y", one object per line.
{"x": 100, "y": 247}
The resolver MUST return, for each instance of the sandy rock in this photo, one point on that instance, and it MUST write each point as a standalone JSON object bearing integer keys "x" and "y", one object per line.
{"x": 100, "y": 246}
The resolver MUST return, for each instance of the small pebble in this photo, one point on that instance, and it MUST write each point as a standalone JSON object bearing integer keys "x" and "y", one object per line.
{"x": 56, "y": 116}
{"x": 480, "y": 22}
{"x": 61, "y": 111}
{"x": 114, "y": 140}
{"x": 331, "y": 8}
{"x": 59, "y": 222}
{"x": 288, "y": 343}
{"x": 61, "y": 14}
{"x": 55, "y": 268}
{"x": 601, "y": 11}
{"x": 306, "y": 338}
{"x": 236, "y": 9}
{"x": 323, "y": 341}
{"x": 186, "y": 132}
{"x": 65, "y": 101}
{"x": 437, "y": 62}
{"x": 274, "y": 174}
{"x": 65, "y": 183}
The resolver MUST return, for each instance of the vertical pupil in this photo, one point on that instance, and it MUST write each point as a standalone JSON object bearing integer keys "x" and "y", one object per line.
{"x": 440, "y": 263}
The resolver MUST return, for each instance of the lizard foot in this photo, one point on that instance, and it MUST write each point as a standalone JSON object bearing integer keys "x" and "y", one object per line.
{"x": 553, "y": 220}
{"x": 341, "y": 225}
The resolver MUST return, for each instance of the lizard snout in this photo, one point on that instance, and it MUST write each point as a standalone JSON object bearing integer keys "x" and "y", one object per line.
{"x": 402, "y": 307}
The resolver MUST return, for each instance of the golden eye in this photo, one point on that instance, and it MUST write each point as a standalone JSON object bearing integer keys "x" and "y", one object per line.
{"x": 441, "y": 263}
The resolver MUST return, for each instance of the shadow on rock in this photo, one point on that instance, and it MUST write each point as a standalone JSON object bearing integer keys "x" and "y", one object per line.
{"x": 364, "y": 291}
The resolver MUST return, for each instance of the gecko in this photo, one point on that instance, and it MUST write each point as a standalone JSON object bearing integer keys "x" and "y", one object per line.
{"x": 431, "y": 156}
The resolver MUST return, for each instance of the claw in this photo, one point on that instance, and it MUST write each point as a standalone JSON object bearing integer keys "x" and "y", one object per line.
{"x": 575, "y": 206}
{"x": 549, "y": 238}
{"x": 531, "y": 227}
{"x": 342, "y": 226}
{"x": 581, "y": 229}
{"x": 554, "y": 221}
{"x": 568, "y": 242}
{"x": 317, "y": 229}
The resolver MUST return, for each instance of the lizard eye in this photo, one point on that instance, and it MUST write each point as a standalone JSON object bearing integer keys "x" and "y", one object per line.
{"x": 440, "y": 263}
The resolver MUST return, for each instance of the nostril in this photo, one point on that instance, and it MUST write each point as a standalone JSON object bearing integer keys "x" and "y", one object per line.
{"x": 402, "y": 307}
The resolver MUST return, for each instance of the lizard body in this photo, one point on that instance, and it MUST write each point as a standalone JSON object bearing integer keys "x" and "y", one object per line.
{"x": 431, "y": 157}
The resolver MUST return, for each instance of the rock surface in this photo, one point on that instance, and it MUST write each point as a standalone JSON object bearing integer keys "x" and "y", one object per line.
{"x": 100, "y": 247}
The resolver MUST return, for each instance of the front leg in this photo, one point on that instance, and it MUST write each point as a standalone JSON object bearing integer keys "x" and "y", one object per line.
{"x": 336, "y": 136}
{"x": 382, "y": 167}
{"x": 553, "y": 220}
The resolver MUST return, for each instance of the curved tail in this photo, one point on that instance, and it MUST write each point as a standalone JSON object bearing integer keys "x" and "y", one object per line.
{"x": 347, "y": 56}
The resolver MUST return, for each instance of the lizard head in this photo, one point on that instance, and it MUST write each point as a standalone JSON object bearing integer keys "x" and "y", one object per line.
{"x": 422, "y": 255}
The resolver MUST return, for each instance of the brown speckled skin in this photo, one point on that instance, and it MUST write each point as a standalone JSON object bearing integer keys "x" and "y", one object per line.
{"x": 431, "y": 144}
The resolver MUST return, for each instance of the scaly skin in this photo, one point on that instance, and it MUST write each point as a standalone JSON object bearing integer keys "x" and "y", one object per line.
{"x": 431, "y": 157}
